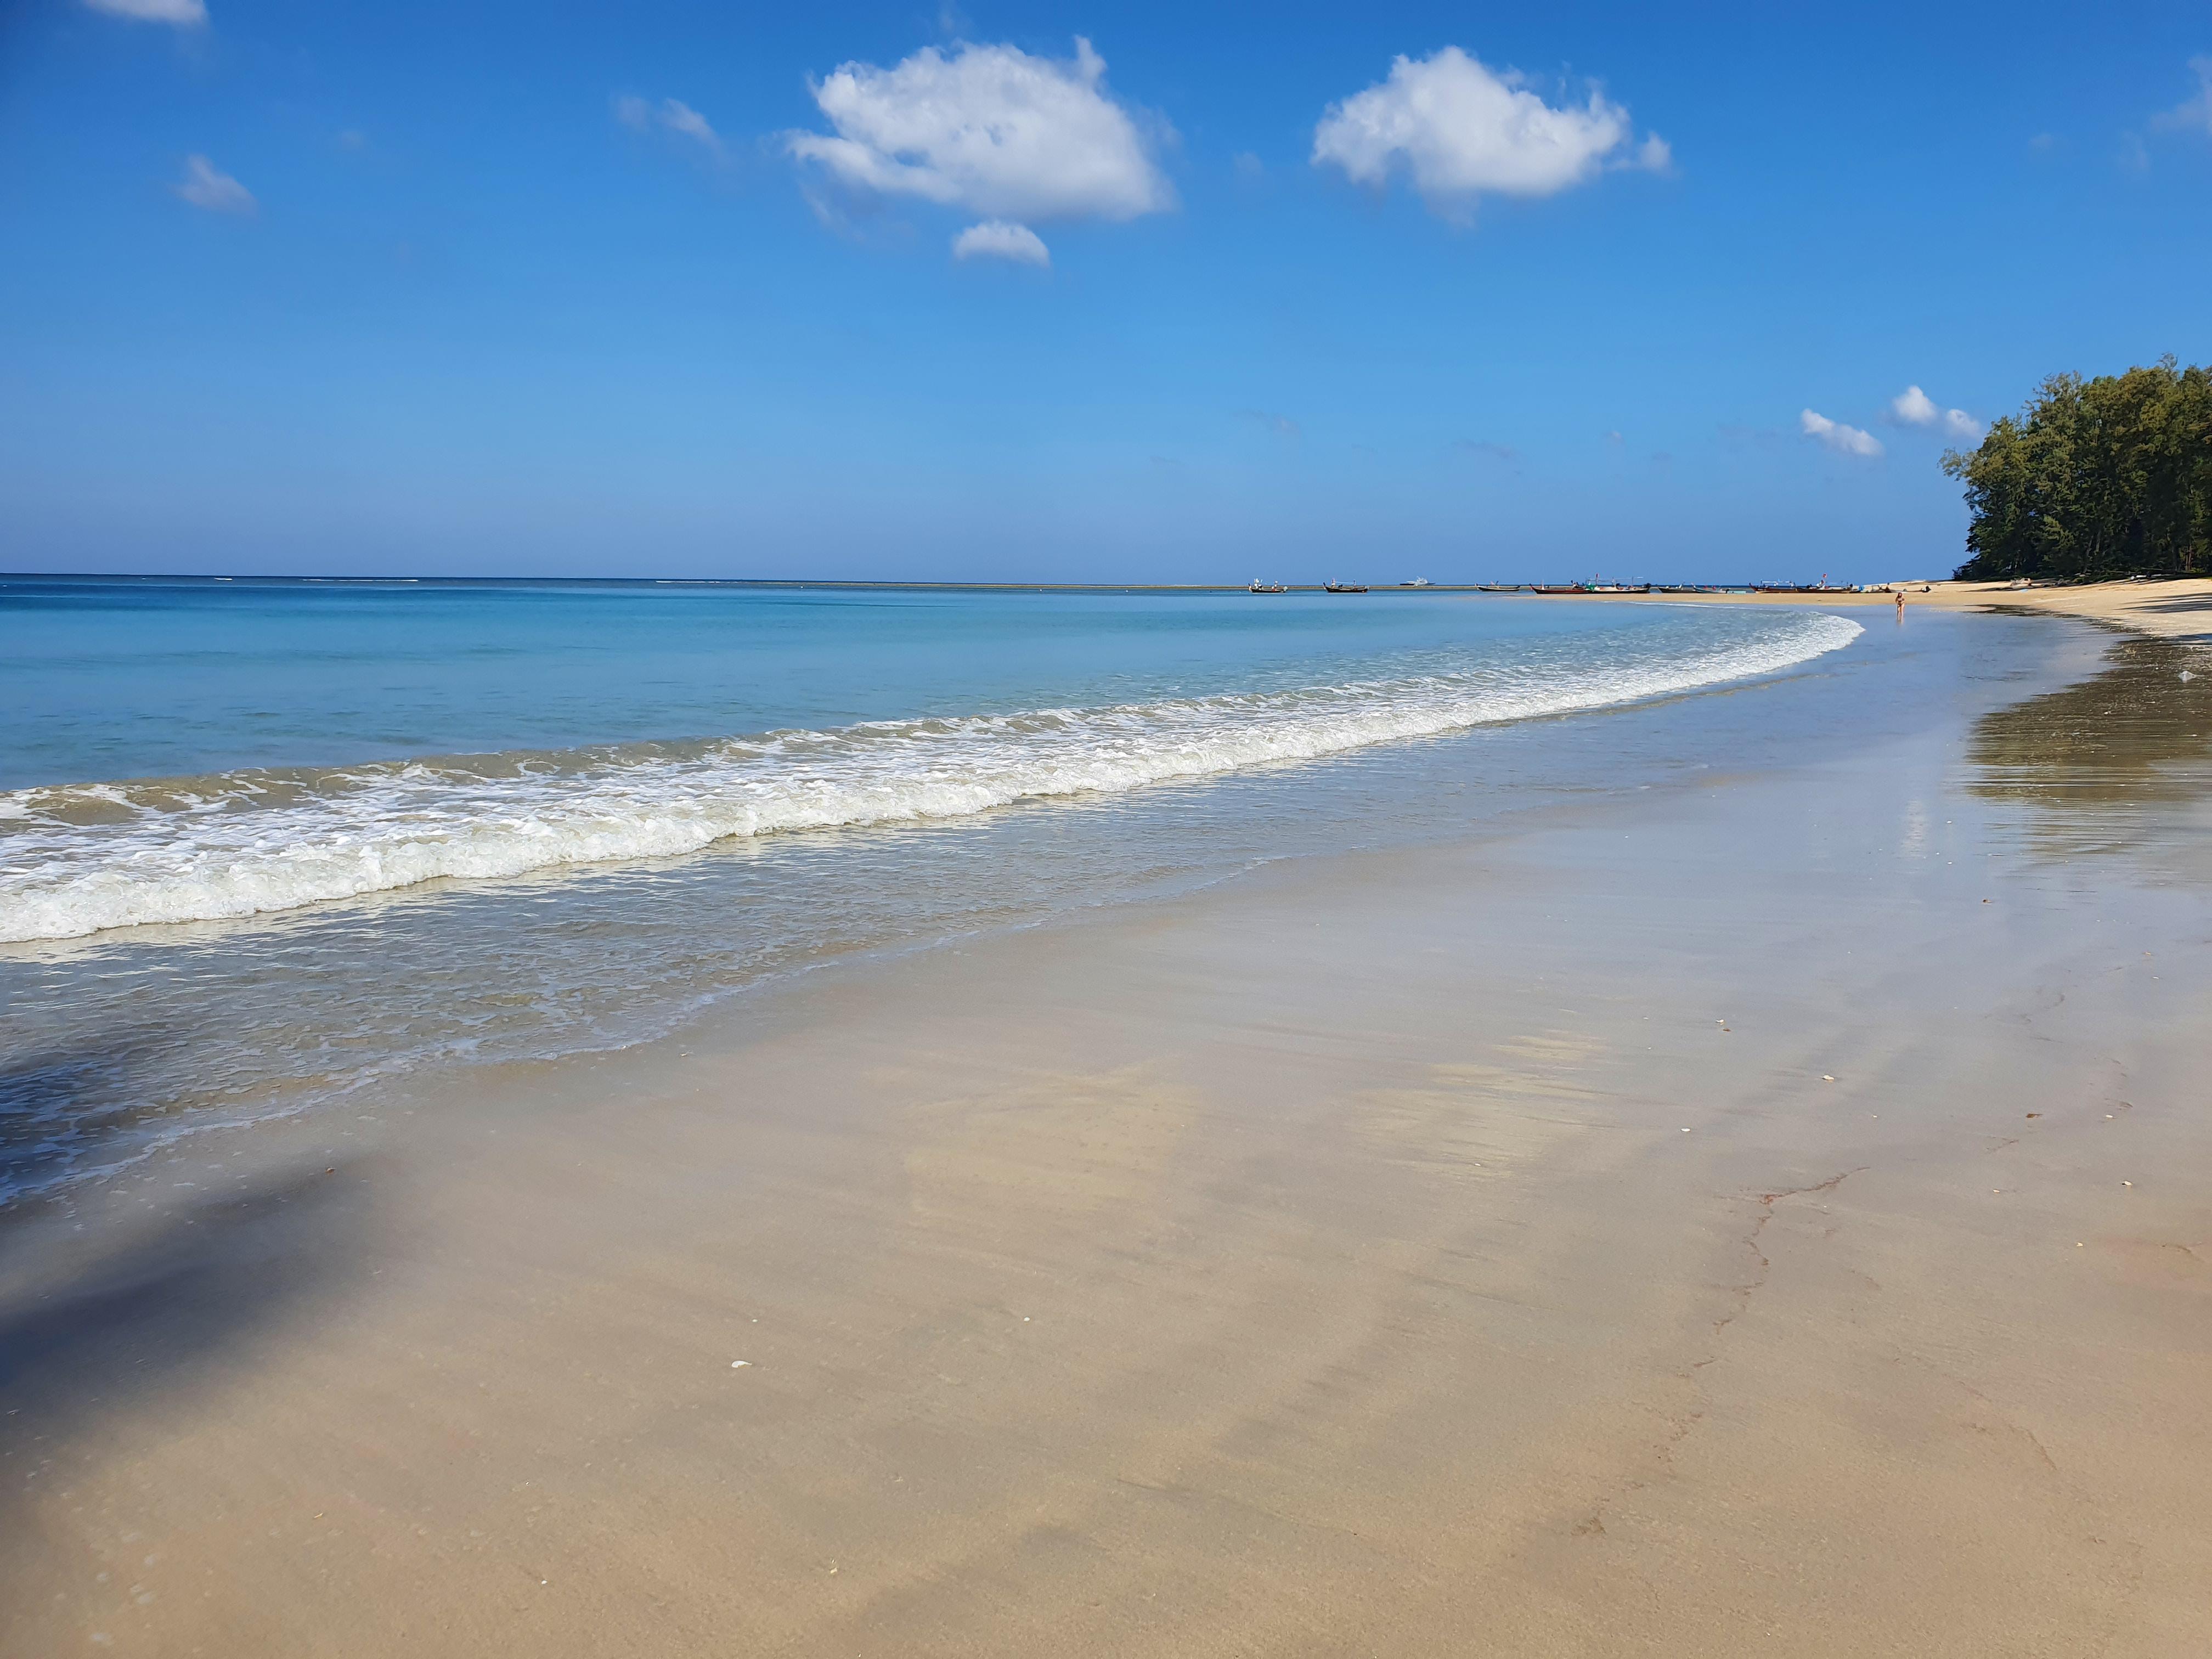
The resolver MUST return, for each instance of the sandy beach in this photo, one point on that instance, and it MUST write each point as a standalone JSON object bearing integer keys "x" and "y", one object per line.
{"x": 1765, "y": 1212}
{"x": 2177, "y": 608}
{"x": 818, "y": 840}
{"x": 2180, "y": 608}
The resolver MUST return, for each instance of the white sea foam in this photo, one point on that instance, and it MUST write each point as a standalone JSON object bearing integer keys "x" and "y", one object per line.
{"x": 80, "y": 860}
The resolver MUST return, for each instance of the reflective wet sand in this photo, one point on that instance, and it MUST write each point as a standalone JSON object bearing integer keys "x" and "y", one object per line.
{"x": 1765, "y": 1211}
{"x": 2120, "y": 761}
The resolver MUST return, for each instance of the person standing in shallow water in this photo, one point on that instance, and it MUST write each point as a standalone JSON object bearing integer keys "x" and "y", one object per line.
{"x": 1899, "y": 596}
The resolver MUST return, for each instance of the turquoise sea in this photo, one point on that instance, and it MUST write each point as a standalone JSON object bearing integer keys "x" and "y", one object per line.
{"x": 266, "y": 845}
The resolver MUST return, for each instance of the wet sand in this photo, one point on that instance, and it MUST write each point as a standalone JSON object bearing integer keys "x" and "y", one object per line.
{"x": 1765, "y": 1214}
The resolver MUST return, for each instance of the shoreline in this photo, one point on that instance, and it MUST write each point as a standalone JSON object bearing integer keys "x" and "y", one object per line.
{"x": 2170, "y": 608}
{"x": 1764, "y": 1205}
{"x": 2178, "y": 608}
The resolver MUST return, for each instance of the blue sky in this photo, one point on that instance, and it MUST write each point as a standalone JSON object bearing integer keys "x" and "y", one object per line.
{"x": 655, "y": 289}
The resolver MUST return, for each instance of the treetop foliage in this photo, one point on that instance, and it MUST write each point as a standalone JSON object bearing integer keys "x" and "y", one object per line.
{"x": 2098, "y": 478}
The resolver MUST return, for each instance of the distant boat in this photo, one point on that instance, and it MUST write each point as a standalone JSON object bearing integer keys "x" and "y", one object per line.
{"x": 1342, "y": 588}
{"x": 1258, "y": 586}
{"x": 1417, "y": 582}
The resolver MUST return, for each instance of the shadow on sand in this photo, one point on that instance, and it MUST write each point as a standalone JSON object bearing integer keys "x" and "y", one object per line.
{"x": 2184, "y": 604}
{"x": 124, "y": 1295}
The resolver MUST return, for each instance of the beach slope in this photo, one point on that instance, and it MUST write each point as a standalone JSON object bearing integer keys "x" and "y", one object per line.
{"x": 1765, "y": 1212}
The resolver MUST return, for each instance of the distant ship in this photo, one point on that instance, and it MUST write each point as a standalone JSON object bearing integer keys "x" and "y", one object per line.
{"x": 1342, "y": 588}
{"x": 1417, "y": 582}
{"x": 1258, "y": 586}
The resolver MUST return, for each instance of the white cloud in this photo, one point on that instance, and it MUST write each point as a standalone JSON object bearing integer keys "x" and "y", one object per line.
{"x": 1834, "y": 435}
{"x": 1462, "y": 130}
{"x": 1913, "y": 407}
{"x": 184, "y": 14}
{"x": 670, "y": 115}
{"x": 996, "y": 239}
{"x": 681, "y": 117}
{"x": 990, "y": 129}
{"x": 203, "y": 187}
{"x": 2195, "y": 114}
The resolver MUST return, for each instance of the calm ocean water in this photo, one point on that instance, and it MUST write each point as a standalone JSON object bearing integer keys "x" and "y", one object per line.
{"x": 265, "y": 845}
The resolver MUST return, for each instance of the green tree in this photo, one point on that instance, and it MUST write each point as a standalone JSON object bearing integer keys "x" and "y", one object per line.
{"x": 2095, "y": 478}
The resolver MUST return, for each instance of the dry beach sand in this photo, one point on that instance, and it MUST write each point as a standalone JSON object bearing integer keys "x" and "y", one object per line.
{"x": 1764, "y": 1215}
{"x": 2180, "y": 608}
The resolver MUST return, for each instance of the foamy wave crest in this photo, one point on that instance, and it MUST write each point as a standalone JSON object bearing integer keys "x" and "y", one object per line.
{"x": 80, "y": 860}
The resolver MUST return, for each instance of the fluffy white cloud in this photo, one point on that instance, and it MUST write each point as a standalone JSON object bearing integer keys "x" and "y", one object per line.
{"x": 1834, "y": 435}
{"x": 996, "y": 239}
{"x": 204, "y": 186}
{"x": 1913, "y": 407}
{"x": 670, "y": 115}
{"x": 184, "y": 14}
{"x": 1462, "y": 130}
{"x": 2195, "y": 114}
{"x": 990, "y": 129}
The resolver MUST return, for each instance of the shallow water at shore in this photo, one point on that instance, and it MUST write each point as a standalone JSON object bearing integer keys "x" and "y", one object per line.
{"x": 1144, "y": 747}
{"x": 138, "y": 1038}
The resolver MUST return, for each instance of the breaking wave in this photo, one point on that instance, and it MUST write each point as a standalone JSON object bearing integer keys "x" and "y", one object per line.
{"x": 81, "y": 859}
